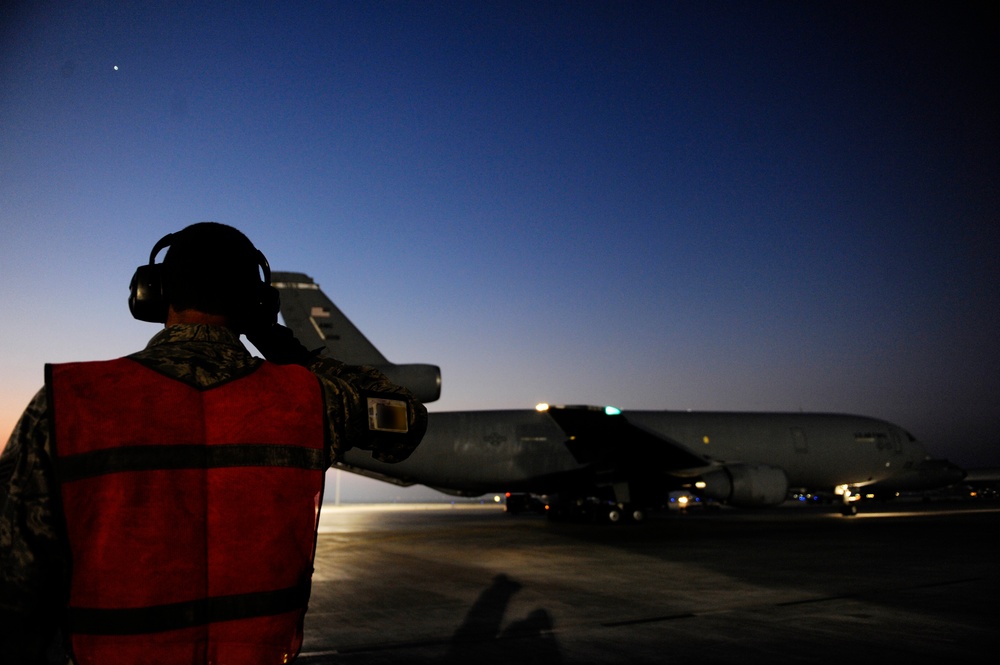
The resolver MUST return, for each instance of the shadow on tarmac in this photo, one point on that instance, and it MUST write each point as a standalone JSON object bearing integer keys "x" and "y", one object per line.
{"x": 481, "y": 640}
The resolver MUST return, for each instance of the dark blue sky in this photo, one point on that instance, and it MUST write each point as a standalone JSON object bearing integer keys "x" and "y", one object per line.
{"x": 706, "y": 205}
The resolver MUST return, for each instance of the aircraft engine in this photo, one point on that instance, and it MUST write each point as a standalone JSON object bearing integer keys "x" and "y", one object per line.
{"x": 745, "y": 485}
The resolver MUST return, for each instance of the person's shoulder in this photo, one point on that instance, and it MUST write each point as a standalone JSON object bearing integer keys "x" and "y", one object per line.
{"x": 199, "y": 355}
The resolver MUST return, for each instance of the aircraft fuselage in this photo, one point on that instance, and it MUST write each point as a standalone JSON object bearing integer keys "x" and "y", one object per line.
{"x": 475, "y": 452}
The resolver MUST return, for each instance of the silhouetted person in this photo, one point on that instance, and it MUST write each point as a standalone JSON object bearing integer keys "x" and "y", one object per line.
{"x": 162, "y": 507}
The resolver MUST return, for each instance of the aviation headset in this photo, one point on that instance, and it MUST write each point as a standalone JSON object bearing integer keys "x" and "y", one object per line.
{"x": 147, "y": 300}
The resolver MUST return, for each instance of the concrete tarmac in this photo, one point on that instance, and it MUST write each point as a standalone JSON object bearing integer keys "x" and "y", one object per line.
{"x": 905, "y": 582}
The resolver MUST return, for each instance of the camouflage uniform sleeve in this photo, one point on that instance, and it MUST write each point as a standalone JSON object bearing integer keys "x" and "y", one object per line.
{"x": 345, "y": 387}
{"x": 33, "y": 553}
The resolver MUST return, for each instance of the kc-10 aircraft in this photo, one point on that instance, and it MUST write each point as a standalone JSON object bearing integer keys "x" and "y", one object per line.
{"x": 616, "y": 464}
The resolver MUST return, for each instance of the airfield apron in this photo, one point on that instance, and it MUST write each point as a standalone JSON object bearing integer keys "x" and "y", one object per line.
{"x": 191, "y": 514}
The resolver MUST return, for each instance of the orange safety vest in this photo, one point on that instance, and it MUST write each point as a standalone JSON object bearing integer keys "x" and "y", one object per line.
{"x": 190, "y": 513}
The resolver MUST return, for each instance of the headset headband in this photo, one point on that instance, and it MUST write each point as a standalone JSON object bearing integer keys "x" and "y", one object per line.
{"x": 147, "y": 298}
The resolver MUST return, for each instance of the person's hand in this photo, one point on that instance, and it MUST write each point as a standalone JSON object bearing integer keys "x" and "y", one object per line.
{"x": 279, "y": 345}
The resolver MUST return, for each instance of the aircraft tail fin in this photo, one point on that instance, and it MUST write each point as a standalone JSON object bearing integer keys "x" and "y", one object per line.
{"x": 317, "y": 322}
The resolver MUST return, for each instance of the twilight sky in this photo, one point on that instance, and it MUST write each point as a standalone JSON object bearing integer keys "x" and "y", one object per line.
{"x": 662, "y": 205}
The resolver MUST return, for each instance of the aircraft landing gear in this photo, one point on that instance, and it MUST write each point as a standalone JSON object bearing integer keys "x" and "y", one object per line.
{"x": 595, "y": 511}
{"x": 625, "y": 513}
{"x": 850, "y": 500}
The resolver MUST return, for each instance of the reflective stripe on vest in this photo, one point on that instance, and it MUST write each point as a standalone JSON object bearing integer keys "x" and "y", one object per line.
{"x": 191, "y": 514}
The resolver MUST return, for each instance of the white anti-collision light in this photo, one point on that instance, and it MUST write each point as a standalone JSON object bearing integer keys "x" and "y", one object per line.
{"x": 541, "y": 406}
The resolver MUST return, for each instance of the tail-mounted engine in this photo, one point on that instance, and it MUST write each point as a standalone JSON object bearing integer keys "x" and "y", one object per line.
{"x": 424, "y": 381}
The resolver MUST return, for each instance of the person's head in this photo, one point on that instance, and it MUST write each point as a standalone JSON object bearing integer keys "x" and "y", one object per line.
{"x": 209, "y": 268}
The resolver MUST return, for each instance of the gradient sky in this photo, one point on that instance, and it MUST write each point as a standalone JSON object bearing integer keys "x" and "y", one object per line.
{"x": 690, "y": 205}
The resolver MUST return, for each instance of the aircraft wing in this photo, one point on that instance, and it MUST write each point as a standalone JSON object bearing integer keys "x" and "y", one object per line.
{"x": 603, "y": 435}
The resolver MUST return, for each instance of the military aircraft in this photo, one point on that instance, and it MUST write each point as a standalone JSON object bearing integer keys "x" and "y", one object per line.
{"x": 615, "y": 465}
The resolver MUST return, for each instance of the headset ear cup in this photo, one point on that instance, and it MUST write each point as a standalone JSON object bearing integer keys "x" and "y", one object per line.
{"x": 270, "y": 304}
{"x": 146, "y": 300}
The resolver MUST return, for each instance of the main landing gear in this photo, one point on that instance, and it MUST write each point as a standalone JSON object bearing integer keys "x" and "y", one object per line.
{"x": 599, "y": 512}
{"x": 618, "y": 513}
